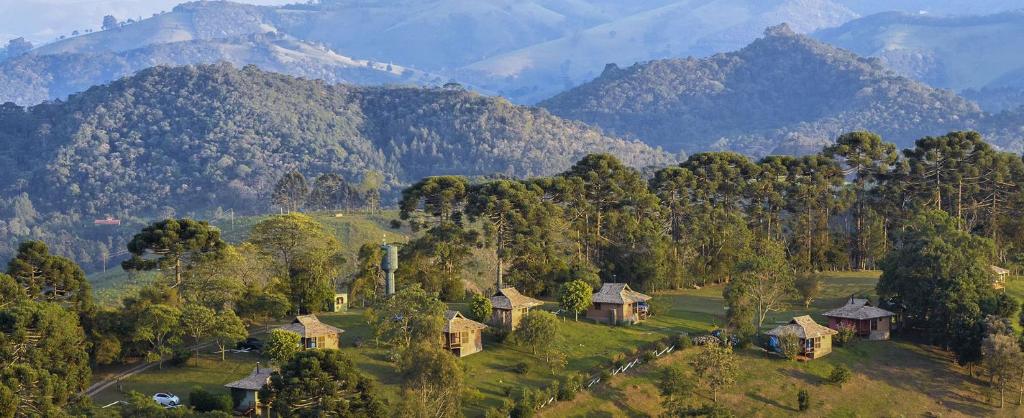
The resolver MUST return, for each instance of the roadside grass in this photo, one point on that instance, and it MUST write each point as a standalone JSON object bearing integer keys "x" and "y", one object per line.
{"x": 211, "y": 374}
{"x": 893, "y": 378}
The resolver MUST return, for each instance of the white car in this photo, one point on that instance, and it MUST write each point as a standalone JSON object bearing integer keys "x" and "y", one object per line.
{"x": 166, "y": 399}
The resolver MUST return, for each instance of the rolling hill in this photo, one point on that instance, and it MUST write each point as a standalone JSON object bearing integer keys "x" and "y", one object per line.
{"x": 197, "y": 139}
{"x": 783, "y": 93}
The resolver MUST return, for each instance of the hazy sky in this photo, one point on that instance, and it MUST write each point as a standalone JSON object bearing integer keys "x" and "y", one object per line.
{"x": 44, "y": 20}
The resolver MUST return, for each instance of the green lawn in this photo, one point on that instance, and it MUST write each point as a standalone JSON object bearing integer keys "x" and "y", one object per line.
{"x": 211, "y": 374}
{"x": 893, "y": 378}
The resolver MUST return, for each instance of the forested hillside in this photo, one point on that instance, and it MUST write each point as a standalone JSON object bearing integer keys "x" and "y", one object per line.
{"x": 33, "y": 78}
{"x": 784, "y": 93}
{"x": 191, "y": 139}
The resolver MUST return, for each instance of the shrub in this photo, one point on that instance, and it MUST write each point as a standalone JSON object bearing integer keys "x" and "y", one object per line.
{"x": 683, "y": 341}
{"x": 180, "y": 357}
{"x": 521, "y": 367}
{"x": 528, "y": 403}
{"x": 648, "y": 356}
{"x": 570, "y": 386}
{"x": 846, "y": 335}
{"x": 789, "y": 346}
{"x": 396, "y": 224}
{"x": 840, "y": 375}
{"x": 803, "y": 400}
{"x": 204, "y": 401}
{"x": 605, "y": 374}
{"x": 479, "y": 308}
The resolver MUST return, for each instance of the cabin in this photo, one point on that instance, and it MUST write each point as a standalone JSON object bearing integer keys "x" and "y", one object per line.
{"x": 867, "y": 321}
{"x": 109, "y": 220}
{"x": 315, "y": 334}
{"x": 1001, "y": 275}
{"x": 245, "y": 393}
{"x": 508, "y": 307}
{"x": 815, "y": 340}
{"x": 462, "y": 336}
{"x": 616, "y": 303}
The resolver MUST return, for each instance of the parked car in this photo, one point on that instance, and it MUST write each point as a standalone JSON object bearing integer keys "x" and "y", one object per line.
{"x": 167, "y": 399}
{"x": 251, "y": 344}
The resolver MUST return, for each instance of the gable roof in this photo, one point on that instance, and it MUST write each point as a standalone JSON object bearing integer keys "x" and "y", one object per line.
{"x": 858, "y": 309}
{"x": 999, "y": 270}
{"x": 254, "y": 381}
{"x": 310, "y": 326}
{"x": 802, "y": 327}
{"x": 509, "y": 298}
{"x": 455, "y": 322}
{"x": 619, "y": 294}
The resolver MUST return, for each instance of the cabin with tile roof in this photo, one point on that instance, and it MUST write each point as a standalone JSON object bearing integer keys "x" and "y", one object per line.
{"x": 315, "y": 334}
{"x": 462, "y": 336}
{"x": 245, "y": 393}
{"x": 815, "y": 340}
{"x": 616, "y": 303}
{"x": 508, "y": 307}
{"x": 867, "y": 321}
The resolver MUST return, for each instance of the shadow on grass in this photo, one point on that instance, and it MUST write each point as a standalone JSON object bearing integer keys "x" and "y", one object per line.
{"x": 621, "y": 402}
{"x": 761, "y": 398}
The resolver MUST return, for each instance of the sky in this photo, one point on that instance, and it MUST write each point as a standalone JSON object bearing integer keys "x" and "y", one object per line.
{"x": 42, "y": 21}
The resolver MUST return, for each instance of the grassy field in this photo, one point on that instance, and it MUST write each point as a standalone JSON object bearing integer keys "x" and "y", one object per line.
{"x": 894, "y": 378}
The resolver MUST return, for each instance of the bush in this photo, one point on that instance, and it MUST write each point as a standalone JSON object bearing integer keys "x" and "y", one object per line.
{"x": 789, "y": 346}
{"x": 683, "y": 341}
{"x": 840, "y": 375}
{"x": 846, "y": 335}
{"x": 180, "y": 357}
{"x": 570, "y": 386}
{"x": 396, "y": 224}
{"x": 803, "y": 400}
{"x": 528, "y": 403}
{"x": 521, "y": 367}
{"x": 204, "y": 401}
{"x": 605, "y": 374}
{"x": 648, "y": 356}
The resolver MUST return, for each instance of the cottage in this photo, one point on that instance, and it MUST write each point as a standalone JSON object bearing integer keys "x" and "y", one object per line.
{"x": 617, "y": 303}
{"x": 462, "y": 336}
{"x": 868, "y": 321}
{"x": 508, "y": 307}
{"x": 1001, "y": 275}
{"x": 339, "y": 303}
{"x": 315, "y": 334}
{"x": 245, "y": 393}
{"x": 815, "y": 340}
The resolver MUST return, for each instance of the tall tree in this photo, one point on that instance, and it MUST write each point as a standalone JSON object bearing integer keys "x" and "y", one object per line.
{"x": 867, "y": 159}
{"x": 291, "y": 191}
{"x": 158, "y": 327}
{"x": 172, "y": 244}
{"x": 305, "y": 254}
{"x": 43, "y": 360}
{"x": 321, "y": 383}
{"x": 197, "y": 321}
{"x": 765, "y": 276}
{"x": 716, "y": 367}
{"x": 410, "y": 316}
{"x": 939, "y": 275}
{"x": 434, "y": 383}
{"x": 47, "y": 277}
{"x": 226, "y": 330}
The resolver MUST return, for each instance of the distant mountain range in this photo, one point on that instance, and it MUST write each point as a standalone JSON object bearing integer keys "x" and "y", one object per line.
{"x": 981, "y": 53}
{"x": 783, "y": 94}
{"x": 526, "y": 50}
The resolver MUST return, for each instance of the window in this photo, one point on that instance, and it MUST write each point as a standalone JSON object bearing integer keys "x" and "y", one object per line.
{"x": 874, "y": 324}
{"x": 817, "y": 343}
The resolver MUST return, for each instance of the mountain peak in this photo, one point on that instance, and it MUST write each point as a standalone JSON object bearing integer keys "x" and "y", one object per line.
{"x": 780, "y": 30}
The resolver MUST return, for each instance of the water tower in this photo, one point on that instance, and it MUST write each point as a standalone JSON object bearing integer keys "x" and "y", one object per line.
{"x": 389, "y": 263}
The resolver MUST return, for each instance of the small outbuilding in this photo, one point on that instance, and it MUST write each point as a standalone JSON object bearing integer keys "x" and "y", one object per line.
{"x": 245, "y": 393}
{"x": 508, "y": 307}
{"x": 1001, "y": 275}
{"x": 315, "y": 334}
{"x": 616, "y": 303}
{"x": 339, "y": 303}
{"x": 815, "y": 340}
{"x": 462, "y": 336}
{"x": 866, "y": 320}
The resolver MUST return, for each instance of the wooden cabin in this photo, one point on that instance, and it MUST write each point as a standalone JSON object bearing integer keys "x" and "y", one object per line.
{"x": 868, "y": 321}
{"x": 815, "y": 340}
{"x": 616, "y": 303}
{"x": 508, "y": 307}
{"x": 462, "y": 336}
{"x": 315, "y": 334}
{"x": 245, "y": 393}
{"x": 339, "y": 303}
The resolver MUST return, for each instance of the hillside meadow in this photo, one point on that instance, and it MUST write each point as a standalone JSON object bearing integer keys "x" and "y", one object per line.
{"x": 895, "y": 378}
